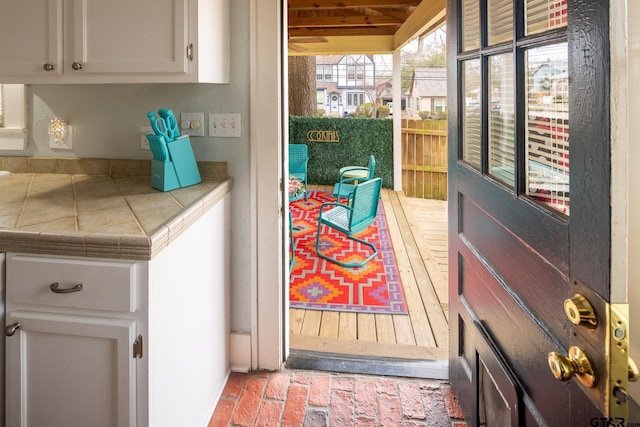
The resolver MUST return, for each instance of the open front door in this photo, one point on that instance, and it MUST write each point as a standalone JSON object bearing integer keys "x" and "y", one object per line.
{"x": 534, "y": 337}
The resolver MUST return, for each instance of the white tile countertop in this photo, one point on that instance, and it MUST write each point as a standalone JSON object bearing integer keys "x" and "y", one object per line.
{"x": 98, "y": 215}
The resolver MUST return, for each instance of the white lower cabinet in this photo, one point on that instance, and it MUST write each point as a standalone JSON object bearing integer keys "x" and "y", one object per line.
{"x": 72, "y": 324}
{"x": 69, "y": 370}
{"x": 119, "y": 343}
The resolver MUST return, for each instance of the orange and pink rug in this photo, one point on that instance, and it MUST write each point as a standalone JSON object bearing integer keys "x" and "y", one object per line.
{"x": 318, "y": 284}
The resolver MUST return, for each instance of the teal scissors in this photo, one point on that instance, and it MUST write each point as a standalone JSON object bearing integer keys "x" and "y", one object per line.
{"x": 170, "y": 121}
{"x": 166, "y": 125}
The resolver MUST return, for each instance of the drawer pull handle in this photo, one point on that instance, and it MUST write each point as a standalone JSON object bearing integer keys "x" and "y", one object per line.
{"x": 55, "y": 287}
{"x": 11, "y": 329}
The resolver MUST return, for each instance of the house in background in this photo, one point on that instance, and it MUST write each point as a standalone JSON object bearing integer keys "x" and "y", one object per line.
{"x": 344, "y": 82}
{"x": 428, "y": 91}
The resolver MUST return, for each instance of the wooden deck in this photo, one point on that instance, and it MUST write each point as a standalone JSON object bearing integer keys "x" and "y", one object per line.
{"x": 418, "y": 229}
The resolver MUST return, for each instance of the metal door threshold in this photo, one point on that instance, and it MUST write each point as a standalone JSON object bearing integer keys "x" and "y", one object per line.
{"x": 353, "y": 364}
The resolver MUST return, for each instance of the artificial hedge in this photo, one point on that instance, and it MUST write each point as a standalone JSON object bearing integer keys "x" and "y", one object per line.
{"x": 358, "y": 138}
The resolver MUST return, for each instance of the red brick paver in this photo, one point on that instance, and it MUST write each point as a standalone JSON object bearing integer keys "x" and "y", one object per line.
{"x": 319, "y": 399}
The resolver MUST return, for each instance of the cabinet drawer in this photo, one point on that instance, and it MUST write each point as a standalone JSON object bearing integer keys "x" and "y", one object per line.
{"x": 106, "y": 285}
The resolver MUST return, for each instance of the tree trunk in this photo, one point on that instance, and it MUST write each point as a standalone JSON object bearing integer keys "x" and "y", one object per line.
{"x": 302, "y": 86}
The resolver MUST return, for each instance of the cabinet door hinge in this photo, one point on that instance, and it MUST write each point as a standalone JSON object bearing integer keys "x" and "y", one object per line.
{"x": 190, "y": 52}
{"x": 137, "y": 347}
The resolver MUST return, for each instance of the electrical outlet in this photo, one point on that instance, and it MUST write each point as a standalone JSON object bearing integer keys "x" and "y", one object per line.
{"x": 63, "y": 144}
{"x": 144, "y": 142}
{"x": 192, "y": 124}
{"x": 225, "y": 125}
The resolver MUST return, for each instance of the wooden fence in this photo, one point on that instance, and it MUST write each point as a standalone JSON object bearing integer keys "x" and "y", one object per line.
{"x": 424, "y": 159}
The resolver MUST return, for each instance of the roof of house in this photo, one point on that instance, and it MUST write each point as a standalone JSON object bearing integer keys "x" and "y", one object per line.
{"x": 429, "y": 82}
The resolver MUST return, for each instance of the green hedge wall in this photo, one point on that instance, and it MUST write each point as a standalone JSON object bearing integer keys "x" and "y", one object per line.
{"x": 358, "y": 138}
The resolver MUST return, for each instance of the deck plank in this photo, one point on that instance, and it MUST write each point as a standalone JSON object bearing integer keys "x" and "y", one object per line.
{"x": 329, "y": 324}
{"x": 367, "y": 327}
{"x": 421, "y": 329}
{"x": 437, "y": 319}
{"x": 348, "y": 328}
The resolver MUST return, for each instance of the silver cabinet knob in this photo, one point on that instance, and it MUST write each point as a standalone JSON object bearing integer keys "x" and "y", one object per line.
{"x": 76, "y": 66}
{"x": 48, "y": 67}
{"x": 11, "y": 329}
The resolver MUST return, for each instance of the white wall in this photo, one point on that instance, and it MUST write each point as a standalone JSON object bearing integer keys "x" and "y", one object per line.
{"x": 107, "y": 121}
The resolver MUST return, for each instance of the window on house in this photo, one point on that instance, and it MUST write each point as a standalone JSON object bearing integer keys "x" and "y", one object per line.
{"x": 13, "y": 117}
{"x": 324, "y": 73}
{"x": 351, "y": 72}
{"x": 439, "y": 105}
{"x": 355, "y": 99}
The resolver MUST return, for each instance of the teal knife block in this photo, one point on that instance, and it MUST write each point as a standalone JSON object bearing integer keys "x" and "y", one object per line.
{"x": 180, "y": 170}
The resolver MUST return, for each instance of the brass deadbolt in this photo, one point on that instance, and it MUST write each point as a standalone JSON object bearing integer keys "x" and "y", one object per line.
{"x": 580, "y": 311}
{"x": 576, "y": 365}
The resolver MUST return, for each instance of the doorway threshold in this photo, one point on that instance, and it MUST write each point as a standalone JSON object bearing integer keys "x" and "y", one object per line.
{"x": 359, "y": 364}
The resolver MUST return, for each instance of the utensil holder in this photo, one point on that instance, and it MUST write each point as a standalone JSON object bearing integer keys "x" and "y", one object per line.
{"x": 180, "y": 170}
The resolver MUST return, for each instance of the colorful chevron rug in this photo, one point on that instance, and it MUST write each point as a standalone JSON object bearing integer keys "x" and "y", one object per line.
{"x": 318, "y": 284}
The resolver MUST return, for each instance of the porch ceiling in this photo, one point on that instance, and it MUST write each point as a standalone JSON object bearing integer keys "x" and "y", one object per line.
{"x": 329, "y": 27}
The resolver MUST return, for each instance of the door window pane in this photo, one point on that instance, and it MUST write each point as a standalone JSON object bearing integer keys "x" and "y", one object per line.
{"x": 500, "y": 21}
{"x": 501, "y": 119}
{"x": 547, "y": 128}
{"x": 471, "y": 112}
{"x": 471, "y": 25}
{"x": 543, "y": 15}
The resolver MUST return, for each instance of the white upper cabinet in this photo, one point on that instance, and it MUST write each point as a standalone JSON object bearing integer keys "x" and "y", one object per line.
{"x": 119, "y": 41}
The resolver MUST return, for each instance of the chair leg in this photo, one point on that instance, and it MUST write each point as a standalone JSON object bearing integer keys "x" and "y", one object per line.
{"x": 292, "y": 243}
{"x": 346, "y": 264}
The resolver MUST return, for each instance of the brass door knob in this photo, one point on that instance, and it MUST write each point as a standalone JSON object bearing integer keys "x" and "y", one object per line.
{"x": 576, "y": 365}
{"x": 580, "y": 311}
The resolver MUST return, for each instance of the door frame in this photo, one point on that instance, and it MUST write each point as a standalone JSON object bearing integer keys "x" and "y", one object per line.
{"x": 268, "y": 306}
{"x": 625, "y": 198}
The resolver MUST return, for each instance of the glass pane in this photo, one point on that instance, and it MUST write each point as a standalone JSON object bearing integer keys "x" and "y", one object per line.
{"x": 548, "y": 126}
{"x": 501, "y": 118}
{"x": 471, "y": 25}
{"x": 500, "y": 21}
{"x": 543, "y": 15}
{"x": 471, "y": 112}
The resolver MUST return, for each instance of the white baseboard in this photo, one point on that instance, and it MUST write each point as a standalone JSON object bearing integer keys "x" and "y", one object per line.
{"x": 240, "y": 352}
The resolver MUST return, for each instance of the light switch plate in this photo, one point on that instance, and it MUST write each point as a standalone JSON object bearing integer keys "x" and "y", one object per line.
{"x": 225, "y": 125}
{"x": 191, "y": 124}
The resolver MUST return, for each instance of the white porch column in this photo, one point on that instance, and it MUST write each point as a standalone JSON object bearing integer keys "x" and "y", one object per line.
{"x": 397, "y": 122}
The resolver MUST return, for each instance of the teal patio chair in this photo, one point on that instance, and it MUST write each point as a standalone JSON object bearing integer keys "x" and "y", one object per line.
{"x": 350, "y": 176}
{"x": 356, "y": 215}
{"x": 298, "y": 160}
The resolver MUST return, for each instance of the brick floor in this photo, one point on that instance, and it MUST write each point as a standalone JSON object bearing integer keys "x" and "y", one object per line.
{"x": 291, "y": 398}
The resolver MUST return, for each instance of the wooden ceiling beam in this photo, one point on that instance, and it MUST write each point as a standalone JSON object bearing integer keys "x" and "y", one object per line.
{"x": 343, "y": 32}
{"x": 423, "y": 19}
{"x": 345, "y": 45}
{"x": 342, "y": 21}
{"x": 340, "y": 4}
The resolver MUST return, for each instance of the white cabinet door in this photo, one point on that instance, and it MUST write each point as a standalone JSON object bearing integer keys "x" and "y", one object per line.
{"x": 124, "y": 36}
{"x": 31, "y": 38}
{"x": 68, "y": 371}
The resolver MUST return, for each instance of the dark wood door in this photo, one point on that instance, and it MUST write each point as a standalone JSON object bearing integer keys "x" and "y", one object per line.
{"x": 529, "y": 167}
